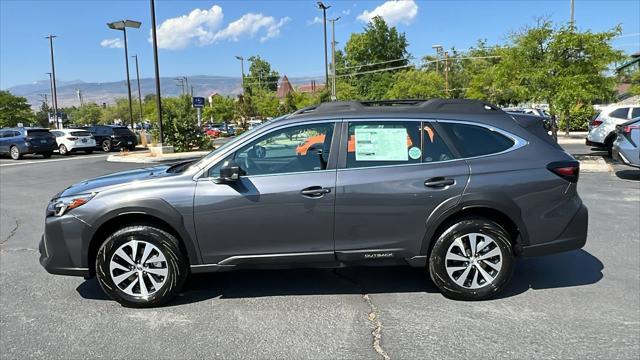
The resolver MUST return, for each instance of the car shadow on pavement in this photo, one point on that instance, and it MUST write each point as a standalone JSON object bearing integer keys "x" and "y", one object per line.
{"x": 568, "y": 269}
{"x": 633, "y": 175}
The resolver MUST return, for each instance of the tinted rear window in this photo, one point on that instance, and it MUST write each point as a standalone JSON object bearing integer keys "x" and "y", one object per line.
{"x": 80, "y": 133}
{"x": 620, "y": 113}
{"x": 38, "y": 133}
{"x": 121, "y": 131}
{"x": 635, "y": 112}
{"x": 474, "y": 140}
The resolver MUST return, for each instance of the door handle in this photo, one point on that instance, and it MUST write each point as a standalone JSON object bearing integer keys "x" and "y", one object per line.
{"x": 439, "y": 182}
{"x": 315, "y": 191}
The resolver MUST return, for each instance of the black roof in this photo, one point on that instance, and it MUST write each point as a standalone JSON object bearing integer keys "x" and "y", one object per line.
{"x": 433, "y": 106}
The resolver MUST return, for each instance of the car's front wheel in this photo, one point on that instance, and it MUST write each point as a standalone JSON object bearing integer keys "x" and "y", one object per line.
{"x": 106, "y": 145}
{"x": 141, "y": 266}
{"x": 472, "y": 259}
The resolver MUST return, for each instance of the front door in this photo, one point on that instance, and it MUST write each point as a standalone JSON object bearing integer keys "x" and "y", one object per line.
{"x": 281, "y": 211}
{"x": 394, "y": 174}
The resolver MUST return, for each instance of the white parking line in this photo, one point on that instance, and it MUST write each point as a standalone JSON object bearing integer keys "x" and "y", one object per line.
{"x": 52, "y": 160}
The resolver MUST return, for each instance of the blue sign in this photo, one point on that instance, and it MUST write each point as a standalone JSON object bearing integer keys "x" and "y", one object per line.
{"x": 198, "y": 102}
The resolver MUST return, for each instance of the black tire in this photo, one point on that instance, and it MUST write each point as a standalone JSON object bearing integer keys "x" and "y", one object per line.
{"x": 437, "y": 259}
{"x": 47, "y": 155}
{"x": 88, "y": 152}
{"x": 608, "y": 145}
{"x": 63, "y": 150}
{"x": 106, "y": 145}
{"x": 132, "y": 148}
{"x": 176, "y": 265}
{"x": 14, "y": 153}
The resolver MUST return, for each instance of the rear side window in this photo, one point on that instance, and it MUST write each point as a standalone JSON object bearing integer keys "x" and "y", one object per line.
{"x": 474, "y": 140}
{"x": 380, "y": 143}
{"x": 620, "y": 113}
{"x": 635, "y": 112}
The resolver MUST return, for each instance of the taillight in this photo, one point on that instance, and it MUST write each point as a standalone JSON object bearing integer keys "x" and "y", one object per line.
{"x": 72, "y": 138}
{"x": 568, "y": 170}
{"x": 595, "y": 123}
{"x": 627, "y": 129}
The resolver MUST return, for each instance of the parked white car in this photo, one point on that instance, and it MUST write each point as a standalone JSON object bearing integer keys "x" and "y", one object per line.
{"x": 626, "y": 148}
{"x": 70, "y": 140}
{"x": 602, "y": 129}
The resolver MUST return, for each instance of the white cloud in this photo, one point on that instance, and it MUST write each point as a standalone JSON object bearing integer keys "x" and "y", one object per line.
{"x": 346, "y": 12}
{"x": 112, "y": 43}
{"x": 202, "y": 27}
{"x": 393, "y": 12}
{"x": 316, "y": 20}
{"x": 181, "y": 31}
{"x": 249, "y": 25}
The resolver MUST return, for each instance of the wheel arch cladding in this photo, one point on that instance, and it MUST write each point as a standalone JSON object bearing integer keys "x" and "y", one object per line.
{"x": 111, "y": 222}
{"x": 436, "y": 225}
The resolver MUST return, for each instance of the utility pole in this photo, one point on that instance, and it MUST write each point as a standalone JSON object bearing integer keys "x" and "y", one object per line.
{"x": 324, "y": 8}
{"x": 180, "y": 84}
{"x": 446, "y": 73}
{"x": 53, "y": 82}
{"x": 157, "y": 70}
{"x": 44, "y": 96}
{"x": 191, "y": 90}
{"x": 333, "y": 58}
{"x": 572, "y": 18}
{"x": 438, "y": 49}
{"x": 139, "y": 92}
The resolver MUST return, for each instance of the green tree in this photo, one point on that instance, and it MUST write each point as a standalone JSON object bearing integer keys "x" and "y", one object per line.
{"x": 14, "y": 110}
{"x": 42, "y": 116}
{"x": 221, "y": 109}
{"x": 261, "y": 76}
{"x": 180, "y": 125}
{"x": 87, "y": 114}
{"x": 416, "y": 84}
{"x": 635, "y": 83}
{"x": 244, "y": 110}
{"x": 378, "y": 47}
{"x": 266, "y": 103}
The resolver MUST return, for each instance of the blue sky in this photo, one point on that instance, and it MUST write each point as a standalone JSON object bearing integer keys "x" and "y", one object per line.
{"x": 205, "y": 41}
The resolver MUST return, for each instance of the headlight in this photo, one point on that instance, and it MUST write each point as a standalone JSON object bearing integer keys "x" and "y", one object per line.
{"x": 63, "y": 204}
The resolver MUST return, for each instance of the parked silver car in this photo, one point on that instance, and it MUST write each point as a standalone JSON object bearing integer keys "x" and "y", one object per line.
{"x": 626, "y": 147}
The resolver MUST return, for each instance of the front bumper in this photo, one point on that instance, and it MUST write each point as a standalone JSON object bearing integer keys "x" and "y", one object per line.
{"x": 573, "y": 237}
{"x": 61, "y": 247}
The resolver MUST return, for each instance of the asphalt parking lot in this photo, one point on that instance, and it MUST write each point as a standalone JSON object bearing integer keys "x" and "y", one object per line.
{"x": 579, "y": 304}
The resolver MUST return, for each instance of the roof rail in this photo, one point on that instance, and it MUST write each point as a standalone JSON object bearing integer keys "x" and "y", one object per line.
{"x": 459, "y": 106}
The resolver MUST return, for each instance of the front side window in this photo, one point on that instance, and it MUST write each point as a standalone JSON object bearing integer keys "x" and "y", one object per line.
{"x": 380, "y": 143}
{"x": 292, "y": 149}
{"x": 472, "y": 140}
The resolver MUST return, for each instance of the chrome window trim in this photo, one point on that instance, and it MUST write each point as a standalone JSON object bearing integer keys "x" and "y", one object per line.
{"x": 518, "y": 142}
{"x": 229, "y": 151}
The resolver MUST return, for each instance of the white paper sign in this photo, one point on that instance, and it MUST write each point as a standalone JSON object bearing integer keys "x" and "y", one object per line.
{"x": 381, "y": 144}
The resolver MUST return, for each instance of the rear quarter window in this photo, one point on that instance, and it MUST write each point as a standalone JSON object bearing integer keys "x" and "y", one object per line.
{"x": 472, "y": 140}
{"x": 121, "y": 131}
{"x": 620, "y": 113}
{"x": 635, "y": 112}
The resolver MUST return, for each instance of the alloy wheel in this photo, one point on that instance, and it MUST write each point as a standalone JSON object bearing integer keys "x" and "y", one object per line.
{"x": 15, "y": 153}
{"x": 138, "y": 268}
{"x": 473, "y": 260}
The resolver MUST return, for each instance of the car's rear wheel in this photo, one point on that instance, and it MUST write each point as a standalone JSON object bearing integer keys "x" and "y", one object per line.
{"x": 141, "y": 266}
{"x": 63, "y": 150}
{"x": 106, "y": 145}
{"x": 472, "y": 259}
{"x": 14, "y": 152}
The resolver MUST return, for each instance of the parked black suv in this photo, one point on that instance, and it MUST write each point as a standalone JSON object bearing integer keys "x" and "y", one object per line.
{"x": 457, "y": 187}
{"x": 113, "y": 137}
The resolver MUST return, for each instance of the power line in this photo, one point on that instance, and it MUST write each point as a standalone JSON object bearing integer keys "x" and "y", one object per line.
{"x": 377, "y": 63}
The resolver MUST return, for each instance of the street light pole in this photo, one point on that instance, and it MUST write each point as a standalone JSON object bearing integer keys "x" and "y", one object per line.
{"x": 54, "y": 93}
{"x": 123, "y": 25}
{"x": 139, "y": 92}
{"x": 324, "y": 8}
{"x": 51, "y": 84}
{"x": 242, "y": 68}
{"x": 333, "y": 58}
{"x": 157, "y": 70}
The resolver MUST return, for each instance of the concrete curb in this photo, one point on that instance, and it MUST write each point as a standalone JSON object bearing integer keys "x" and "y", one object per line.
{"x": 144, "y": 158}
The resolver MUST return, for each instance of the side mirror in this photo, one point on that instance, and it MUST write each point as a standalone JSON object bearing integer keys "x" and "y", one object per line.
{"x": 229, "y": 172}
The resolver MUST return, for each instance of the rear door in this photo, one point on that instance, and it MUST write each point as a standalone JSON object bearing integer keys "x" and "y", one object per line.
{"x": 392, "y": 175}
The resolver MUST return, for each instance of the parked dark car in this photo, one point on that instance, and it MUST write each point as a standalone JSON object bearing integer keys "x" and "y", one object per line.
{"x": 457, "y": 187}
{"x": 16, "y": 142}
{"x": 112, "y": 137}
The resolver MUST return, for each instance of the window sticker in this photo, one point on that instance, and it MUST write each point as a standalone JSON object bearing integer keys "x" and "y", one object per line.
{"x": 381, "y": 144}
{"x": 415, "y": 153}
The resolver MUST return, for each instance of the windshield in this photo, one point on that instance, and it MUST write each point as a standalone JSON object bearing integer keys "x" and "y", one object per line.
{"x": 231, "y": 143}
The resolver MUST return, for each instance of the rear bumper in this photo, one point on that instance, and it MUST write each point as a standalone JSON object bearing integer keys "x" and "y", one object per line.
{"x": 593, "y": 143}
{"x": 123, "y": 142}
{"x": 573, "y": 237}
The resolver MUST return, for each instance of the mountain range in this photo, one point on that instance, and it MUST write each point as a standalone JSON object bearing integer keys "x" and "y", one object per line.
{"x": 108, "y": 92}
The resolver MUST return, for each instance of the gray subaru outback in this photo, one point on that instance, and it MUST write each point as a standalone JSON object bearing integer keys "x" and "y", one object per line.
{"x": 457, "y": 187}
